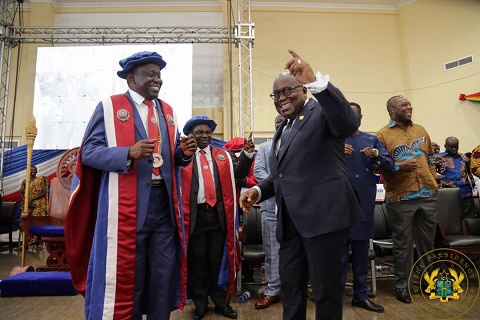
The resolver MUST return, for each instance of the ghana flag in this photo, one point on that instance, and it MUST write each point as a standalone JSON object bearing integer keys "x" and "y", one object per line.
{"x": 475, "y": 97}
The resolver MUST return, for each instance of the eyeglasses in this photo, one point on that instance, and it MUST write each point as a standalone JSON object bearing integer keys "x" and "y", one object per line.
{"x": 287, "y": 91}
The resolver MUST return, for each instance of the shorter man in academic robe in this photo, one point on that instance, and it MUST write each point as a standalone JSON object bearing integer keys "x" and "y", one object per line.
{"x": 209, "y": 202}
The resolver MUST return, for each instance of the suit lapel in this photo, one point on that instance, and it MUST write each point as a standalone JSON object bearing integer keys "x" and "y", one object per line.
{"x": 195, "y": 170}
{"x": 277, "y": 136}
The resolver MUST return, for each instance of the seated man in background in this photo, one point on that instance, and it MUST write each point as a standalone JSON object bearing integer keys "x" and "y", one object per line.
{"x": 475, "y": 162}
{"x": 37, "y": 200}
{"x": 435, "y": 147}
{"x": 454, "y": 172}
{"x": 37, "y": 194}
{"x": 476, "y": 180}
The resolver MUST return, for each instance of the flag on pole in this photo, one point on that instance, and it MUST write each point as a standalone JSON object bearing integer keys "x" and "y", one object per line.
{"x": 475, "y": 97}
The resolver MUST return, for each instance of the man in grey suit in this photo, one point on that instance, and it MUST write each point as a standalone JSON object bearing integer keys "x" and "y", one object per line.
{"x": 269, "y": 227}
{"x": 316, "y": 202}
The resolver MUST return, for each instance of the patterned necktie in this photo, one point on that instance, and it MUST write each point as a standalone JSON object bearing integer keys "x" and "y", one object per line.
{"x": 208, "y": 185}
{"x": 285, "y": 133}
{"x": 153, "y": 133}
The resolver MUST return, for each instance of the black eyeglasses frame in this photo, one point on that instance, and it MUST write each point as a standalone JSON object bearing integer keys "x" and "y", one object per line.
{"x": 287, "y": 91}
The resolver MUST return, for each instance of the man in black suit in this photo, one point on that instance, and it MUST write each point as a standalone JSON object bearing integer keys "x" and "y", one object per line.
{"x": 316, "y": 202}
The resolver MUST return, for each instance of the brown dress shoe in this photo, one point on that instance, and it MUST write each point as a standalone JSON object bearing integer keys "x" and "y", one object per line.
{"x": 266, "y": 301}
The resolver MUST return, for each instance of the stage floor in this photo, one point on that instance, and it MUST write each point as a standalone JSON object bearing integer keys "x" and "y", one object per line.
{"x": 71, "y": 307}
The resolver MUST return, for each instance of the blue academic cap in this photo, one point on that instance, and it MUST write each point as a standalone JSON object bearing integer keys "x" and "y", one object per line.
{"x": 198, "y": 120}
{"x": 140, "y": 58}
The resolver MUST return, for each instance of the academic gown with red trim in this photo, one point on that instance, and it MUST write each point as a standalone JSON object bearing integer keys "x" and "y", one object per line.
{"x": 223, "y": 162}
{"x": 97, "y": 204}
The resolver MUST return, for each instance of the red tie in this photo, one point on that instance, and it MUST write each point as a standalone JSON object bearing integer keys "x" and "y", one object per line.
{"x": 153, "y": 132}
{"x": 208, "y": 185}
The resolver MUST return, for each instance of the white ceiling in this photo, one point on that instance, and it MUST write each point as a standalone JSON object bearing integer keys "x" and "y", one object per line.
{"x": 373, "y": 4}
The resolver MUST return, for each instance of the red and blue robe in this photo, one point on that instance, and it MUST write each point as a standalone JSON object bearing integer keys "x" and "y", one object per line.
{"x": 100, "y": 225}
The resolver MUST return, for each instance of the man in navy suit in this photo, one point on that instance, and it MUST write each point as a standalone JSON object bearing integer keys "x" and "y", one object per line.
{"x": 364, "y": 152}
{"x": 316, "y": 202}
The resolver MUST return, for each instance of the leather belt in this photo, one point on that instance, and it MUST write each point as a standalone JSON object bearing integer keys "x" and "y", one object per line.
{"x": 204, "y": 206}
{"x": 157, "y": 183}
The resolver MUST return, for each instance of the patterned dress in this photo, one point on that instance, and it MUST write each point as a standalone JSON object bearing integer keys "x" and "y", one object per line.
{"x": 38, "y": 205}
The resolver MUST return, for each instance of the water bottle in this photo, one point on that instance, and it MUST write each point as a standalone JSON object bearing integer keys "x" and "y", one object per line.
{"x": 244, "y": 297}
{"x": 382, "y": 268}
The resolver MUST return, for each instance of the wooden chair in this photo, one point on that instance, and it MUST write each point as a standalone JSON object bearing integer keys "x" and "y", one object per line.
{"x": 50, "y": 228}
{"x": 6, "y": 221}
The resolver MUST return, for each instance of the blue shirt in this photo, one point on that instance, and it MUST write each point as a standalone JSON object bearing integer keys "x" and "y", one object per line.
{"x": 453, "y": 172}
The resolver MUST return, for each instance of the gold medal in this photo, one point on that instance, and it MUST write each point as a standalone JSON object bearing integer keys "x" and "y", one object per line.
{"x": 157, "y": 160}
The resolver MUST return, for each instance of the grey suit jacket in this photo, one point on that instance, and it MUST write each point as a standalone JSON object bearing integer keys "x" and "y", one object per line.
{"x": 309, "y": 176}
{"x": 261, "y": 171}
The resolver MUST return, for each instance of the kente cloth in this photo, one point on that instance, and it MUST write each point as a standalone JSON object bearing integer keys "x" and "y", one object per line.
{"x": 230, "y": 262}
{"x": 38, "y": 207}
{"x": 412, "y": 142}
{"x": 103, "y": 224}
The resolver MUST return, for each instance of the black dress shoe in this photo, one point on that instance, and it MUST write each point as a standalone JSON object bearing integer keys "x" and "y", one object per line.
{"x": 227, "y": 311}
{"x": 199, "y": 313}
{"x": 367, "y": 304}
{"x": 403, "y": 296}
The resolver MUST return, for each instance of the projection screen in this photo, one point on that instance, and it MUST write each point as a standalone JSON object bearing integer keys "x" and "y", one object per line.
{"x": 71, "y": 81}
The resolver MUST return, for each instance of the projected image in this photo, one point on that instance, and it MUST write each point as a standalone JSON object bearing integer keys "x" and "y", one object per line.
{"x": 71, "y": 81}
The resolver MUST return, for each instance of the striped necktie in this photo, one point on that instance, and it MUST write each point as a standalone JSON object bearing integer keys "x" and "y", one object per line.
{"x": 153, "y": 133}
